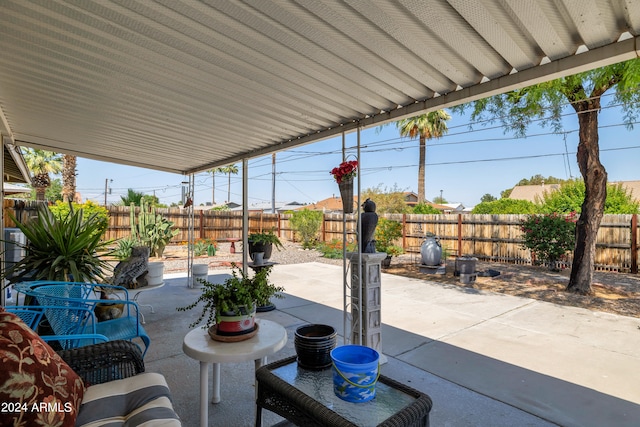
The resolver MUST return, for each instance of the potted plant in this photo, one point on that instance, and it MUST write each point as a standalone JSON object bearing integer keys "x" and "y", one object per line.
{"x": 387, "y": 232}
{"x": 64, "y": 247}
{"x": 263, "y": 242}
{"x": 229, "y": 307}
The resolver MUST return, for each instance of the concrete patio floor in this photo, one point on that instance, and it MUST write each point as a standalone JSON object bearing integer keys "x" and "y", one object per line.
{"x": 484, "y": 359}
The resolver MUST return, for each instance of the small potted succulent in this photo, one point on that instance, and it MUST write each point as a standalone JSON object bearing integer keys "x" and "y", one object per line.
{"x": 229, "y": 308}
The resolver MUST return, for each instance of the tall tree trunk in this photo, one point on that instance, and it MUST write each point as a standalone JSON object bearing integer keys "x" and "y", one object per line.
{"x": 68, "y": 177}
{"x": 595, "y": 181}
{"x": 40, "y": 194}
{"x": 229, "y": 188}
{"x": 421, "y": 165}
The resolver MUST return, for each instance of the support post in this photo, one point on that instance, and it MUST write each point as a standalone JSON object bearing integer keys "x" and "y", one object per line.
{"x": 369, "y": 287}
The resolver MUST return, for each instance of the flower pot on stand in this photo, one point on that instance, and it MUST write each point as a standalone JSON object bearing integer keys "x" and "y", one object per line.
{"x": 235, "y": 326}
{"x": 266, "y": 248}
{"x": 346, "y": 194}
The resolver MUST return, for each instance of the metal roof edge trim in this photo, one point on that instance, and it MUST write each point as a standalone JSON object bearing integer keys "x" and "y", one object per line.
{"x": 606, "y": 55}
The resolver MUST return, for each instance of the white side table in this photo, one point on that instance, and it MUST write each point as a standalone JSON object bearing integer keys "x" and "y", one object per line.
{"x": 198, "y": 345}
{"x": 134, "y": 294}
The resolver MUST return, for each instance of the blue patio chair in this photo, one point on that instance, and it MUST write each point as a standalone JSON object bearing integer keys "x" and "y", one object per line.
{"x": 75, "y": 305}
{"x": 32, "y": 315}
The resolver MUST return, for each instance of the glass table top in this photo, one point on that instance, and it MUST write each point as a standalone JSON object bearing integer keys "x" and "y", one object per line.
{"x": 319, "y": 386}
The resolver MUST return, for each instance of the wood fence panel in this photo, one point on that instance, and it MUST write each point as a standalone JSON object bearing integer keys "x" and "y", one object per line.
{"x": 487, "y": 237}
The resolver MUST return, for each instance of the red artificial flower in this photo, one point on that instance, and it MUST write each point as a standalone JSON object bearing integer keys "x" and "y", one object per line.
{"x": 345, "y": 171}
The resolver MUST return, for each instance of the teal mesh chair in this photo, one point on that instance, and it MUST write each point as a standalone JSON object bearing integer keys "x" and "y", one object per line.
{"x": 32, "y": 315}
{"x": 70, "y": 310}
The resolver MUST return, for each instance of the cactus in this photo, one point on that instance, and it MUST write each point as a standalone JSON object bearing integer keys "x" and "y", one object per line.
{"x": 151, "y": 229}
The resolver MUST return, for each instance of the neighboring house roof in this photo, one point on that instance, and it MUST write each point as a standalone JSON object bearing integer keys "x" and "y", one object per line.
{"x": 280, "y": 206}
{"x": 332, "y": 204}
{"x": 531, "y": 192}
{"x": 410, "y": 198}
{"x": 632, "y": 187}
{"x": 534, "y": 192}
{"x": 15, "y": 168}
{"x": 15, "y": 189}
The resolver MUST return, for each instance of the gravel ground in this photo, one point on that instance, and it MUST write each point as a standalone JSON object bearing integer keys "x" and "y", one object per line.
{"x": 175, "y": 257}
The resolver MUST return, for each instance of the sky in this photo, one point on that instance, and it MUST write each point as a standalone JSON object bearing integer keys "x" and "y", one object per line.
{"x": 462, "y": 166}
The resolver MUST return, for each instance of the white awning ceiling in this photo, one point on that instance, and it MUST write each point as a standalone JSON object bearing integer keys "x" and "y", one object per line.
{"x": 182, "y": 86}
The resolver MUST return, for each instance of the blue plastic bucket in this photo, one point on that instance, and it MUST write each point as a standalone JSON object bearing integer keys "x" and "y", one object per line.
{"x": 355, "y": 372}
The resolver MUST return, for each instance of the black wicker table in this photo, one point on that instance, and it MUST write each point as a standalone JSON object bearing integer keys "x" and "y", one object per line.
{"x": 306, "y": 398}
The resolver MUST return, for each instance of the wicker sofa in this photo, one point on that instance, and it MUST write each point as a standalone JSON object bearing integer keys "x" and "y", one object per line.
{"x": 100, "y": 384}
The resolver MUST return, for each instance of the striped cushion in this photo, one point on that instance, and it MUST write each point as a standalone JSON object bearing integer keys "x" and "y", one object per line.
{"x": 142, "y": 400}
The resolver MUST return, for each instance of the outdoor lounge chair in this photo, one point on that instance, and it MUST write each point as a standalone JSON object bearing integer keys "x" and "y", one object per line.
{"x": 70, "y": 308}
{"x": 95, "y": 385}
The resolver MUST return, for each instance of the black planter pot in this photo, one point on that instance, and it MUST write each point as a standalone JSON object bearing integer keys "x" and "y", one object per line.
{"x": 313, "y": 345}
{"x": 267, "y": 248}
{"x": 386, "y": 263}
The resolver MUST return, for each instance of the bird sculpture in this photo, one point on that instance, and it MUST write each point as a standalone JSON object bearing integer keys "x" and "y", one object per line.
{"x": 130, "y": 272}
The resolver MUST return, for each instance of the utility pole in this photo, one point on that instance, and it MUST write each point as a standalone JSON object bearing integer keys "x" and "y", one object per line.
{"x": 273, "y": 183}
{"x": 107, "y": 190}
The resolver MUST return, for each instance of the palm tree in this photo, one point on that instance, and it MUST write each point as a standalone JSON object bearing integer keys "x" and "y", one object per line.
{"x": 213, "y": 173}
{"x": 425, "y": 126}
{"x": 132, "y": 197}
{"x": 229, "y": 169}
{"x": 42, "y": 163}
{"x": 68, "y": 177}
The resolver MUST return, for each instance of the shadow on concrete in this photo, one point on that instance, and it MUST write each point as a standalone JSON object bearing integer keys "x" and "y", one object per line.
{"x": 467, "y": 388}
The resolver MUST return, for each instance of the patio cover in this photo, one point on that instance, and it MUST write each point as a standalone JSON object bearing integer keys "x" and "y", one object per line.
{"x": 183, "y": 86}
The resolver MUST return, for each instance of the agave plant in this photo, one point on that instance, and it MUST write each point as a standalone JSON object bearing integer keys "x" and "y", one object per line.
{"x": 61, "y": 248}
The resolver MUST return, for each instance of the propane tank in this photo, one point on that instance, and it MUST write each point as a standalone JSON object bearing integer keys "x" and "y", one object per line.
{"x": 431, "y": 250}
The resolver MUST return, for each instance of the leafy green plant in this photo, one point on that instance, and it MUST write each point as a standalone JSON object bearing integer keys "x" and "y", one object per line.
{"x": 236, "y": 292}
{"x": 387, "y": 232}
{"x": 506, "y": 206}
{"x": 424, "y": 208}
{"x": 61, "y": 209}
{"x": 307, "y": 224}
{"x": 151, "y": 229}
{"x": 394, "y": 250}
{"x": 570, "y": 196}
{"x": 333, "y": 249}
{"x": 204, "y": 247}
{"x": 62, "y": 248}
{"x": 123, "y": 250}
{"x": 264, "y": 238}
{"x": 549, "y": 236}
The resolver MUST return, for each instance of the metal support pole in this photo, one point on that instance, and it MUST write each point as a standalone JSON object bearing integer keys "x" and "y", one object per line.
{"x": 245, "y": 213}
{"x": 190, "y": 230}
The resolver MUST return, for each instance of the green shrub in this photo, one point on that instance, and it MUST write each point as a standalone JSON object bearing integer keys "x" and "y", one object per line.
{"x": 306, "y": 223}
{"x": 549, "y": 236}
{"x": 333, "y": 249}
{"x": 505, "y": 206}
{"x": 61, "y": 209}
{"x": 387, "y": 232}
{"x": 424, "y": 208}
{"x": 570, "y": 196}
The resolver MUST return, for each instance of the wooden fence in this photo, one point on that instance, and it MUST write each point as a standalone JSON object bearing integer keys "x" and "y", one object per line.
{"x": 487, "y": 237}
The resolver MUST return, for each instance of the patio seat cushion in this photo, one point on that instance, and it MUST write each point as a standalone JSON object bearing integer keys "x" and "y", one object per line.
{"x": 142, "y": 400}
{"x": 37, "y": 387}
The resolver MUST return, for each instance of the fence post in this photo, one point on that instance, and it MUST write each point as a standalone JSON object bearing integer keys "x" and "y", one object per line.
{"x": 459, "y": 234}
{"x": 323, "y": 227}
{"x": 201, "y": 228}
{"x": 634, "y": 244}
{"x": 404, "y": 232}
